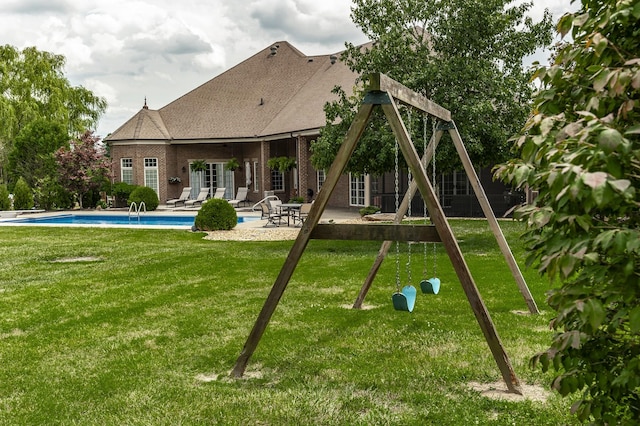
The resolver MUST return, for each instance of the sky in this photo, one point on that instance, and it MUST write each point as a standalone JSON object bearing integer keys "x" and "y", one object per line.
{"x": 129, "y": 50}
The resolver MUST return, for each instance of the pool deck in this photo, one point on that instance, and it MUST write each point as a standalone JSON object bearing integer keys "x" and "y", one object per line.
{"x": 333, "y": 215}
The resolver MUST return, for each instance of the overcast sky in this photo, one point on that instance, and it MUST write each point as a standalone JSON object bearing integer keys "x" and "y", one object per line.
{"x": 126, "y": 50}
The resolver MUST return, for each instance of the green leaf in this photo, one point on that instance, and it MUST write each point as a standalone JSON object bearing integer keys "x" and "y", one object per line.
{"x": 609, "y": 140}
{"x": 594, "y": 180}
{"x": 620, "y": 185}
{"x": 594, "y": 312}
{"x": 601, "y": 79}
{"x": 564, "y": 24}
{"x": 633, "y": 130}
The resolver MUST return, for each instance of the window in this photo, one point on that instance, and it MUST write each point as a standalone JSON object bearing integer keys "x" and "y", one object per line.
{"x": 151, "y": 173}
{"x": 321, "y": 178}
{"x": 126, "y": 170}
{"x": 277, "y": 180}
{"x": 215, "y": 175}
{"x": 256, "y": 180}
{"x": 356, "y": 190}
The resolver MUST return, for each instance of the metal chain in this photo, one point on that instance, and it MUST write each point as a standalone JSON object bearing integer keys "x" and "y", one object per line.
{"x": 397, "y": 188}
{"x": 409, "y": 176}
{"x": 424, "y": 203}
{"x": 435, "y": 189}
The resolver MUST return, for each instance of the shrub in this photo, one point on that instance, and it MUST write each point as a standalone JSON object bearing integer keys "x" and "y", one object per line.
{"x": 580, "y": 151}
{"x": 215, "y": 215}
{"x": 121, "y": 192}
{"x": 5, "y": 201}
{"x": 22, "y": 195}
{"x": 369, "y": 210}
{"x": 49, "y": 194}
{"x": 146, "y": 195}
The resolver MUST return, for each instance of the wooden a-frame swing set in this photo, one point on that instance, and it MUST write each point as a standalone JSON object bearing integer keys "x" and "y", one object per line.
{"x": 385, "y": 93}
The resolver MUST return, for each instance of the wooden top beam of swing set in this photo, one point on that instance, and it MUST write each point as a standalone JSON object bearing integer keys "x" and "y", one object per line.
{"x": 381, "y": 82}
{"x": 376, "y": 232}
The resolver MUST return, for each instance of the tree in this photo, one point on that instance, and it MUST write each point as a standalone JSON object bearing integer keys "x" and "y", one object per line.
{"x": 33, "y": 86}
{"x": 83, "y": 167}
{"x": 466, "y": 55}
{"x": 32, "y": 156}
{"x": 581, "y": 151}
{"x": 22, "y": 195}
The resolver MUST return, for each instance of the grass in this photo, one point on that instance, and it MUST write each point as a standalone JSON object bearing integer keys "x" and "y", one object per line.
{"x": 142, "y": 327}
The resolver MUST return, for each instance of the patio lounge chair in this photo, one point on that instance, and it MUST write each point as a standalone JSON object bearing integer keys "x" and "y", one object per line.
{"x": 219, "y": 193}
{"x": 272, "y": 217}
{"x": 186, "y": 191}
{"x": 201, "y": 198}
{"x": 241, "y": 197}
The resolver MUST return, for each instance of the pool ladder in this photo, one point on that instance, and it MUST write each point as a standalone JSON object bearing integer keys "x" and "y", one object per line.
{"x": 135, "y": 209}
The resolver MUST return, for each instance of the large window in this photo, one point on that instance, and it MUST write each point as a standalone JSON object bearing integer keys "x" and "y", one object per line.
{"x": 321, "y": 178}
{"x": 151, "y": 174}
{"x": 277, "y": 180}
{"x": 357, "y": 190}
{"x": 126, "y": 170}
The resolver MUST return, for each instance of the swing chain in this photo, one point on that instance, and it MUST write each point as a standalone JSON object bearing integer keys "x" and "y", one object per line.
{"x": 435, "y": 189}
{"x": 397, "y": 200}
{"x": 409, "y": 177}
{"x": 424, "y": 203}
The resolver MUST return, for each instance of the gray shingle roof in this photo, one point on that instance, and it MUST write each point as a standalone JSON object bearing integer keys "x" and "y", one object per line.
{"x": 266, "y": 95}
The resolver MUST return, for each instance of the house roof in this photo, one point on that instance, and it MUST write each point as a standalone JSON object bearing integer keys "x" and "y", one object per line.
{"x": 279, "y": 90}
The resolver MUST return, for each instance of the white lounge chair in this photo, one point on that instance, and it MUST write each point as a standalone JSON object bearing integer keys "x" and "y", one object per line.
{"x": 201, "y": 198}
{"x": 219, "y": 193}
{"x": 241, "y": 197}
{"x": 186, "y": 192}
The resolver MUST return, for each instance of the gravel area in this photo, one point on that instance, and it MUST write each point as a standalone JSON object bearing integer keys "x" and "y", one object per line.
{"x": 254, "y": 234}
{"x": 257, "y": 232}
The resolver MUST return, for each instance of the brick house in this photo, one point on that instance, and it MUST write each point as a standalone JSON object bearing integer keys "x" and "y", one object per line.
{"x": 270, "y": 105}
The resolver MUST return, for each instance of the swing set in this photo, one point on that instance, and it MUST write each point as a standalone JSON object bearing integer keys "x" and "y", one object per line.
{"x": 386, "y": 93}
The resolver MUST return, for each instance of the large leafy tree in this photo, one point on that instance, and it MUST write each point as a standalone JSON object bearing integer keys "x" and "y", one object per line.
{"x": 32, "y": 156}
{"x": 466, "y": 55}
{"x": 33, "y": 86}
{"x": 581, "y": 151}
{"x": 83, "y": 166}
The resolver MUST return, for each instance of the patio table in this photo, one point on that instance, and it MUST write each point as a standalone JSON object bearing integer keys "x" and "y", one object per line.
{"x": 289, "y": 209}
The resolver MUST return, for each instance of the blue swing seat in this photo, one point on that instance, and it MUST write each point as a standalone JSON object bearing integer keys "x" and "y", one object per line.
{"x": 405, "y": 300}
{"x": 430, "y": 286}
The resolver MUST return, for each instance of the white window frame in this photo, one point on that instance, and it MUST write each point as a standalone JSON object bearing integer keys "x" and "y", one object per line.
{"x": 151, "y": 178}
{"x": 357, "y": 190}
{"x": 126, "y": 171}
{"x": 277, "y": 177}
{"x": 322, "y": 176}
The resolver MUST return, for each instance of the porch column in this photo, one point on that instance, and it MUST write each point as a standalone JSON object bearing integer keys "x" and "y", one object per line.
{"x": 303, "y": 166}
{"x": 265, "y": 172}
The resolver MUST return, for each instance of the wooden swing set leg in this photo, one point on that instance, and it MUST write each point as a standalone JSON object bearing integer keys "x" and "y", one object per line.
{"x": 270, "y": 304}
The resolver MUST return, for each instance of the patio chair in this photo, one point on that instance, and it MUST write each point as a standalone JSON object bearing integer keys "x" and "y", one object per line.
{"x": 303, "y": 213}
{"x": 219, "y": 193}
{"x": 241, "y": 197}
{"x": 186, "y": 191}
{"x": 202, "y": 196}
{"x": 272, "y": 217}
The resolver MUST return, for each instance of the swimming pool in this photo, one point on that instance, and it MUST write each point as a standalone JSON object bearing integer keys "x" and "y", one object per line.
{"x": 113, "y": 219}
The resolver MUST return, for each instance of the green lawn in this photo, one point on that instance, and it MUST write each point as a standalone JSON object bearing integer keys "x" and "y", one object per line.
{"x": 142, "y": 327}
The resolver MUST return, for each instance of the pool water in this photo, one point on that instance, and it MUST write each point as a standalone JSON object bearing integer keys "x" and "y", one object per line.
{"x": 113, "y": 219}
